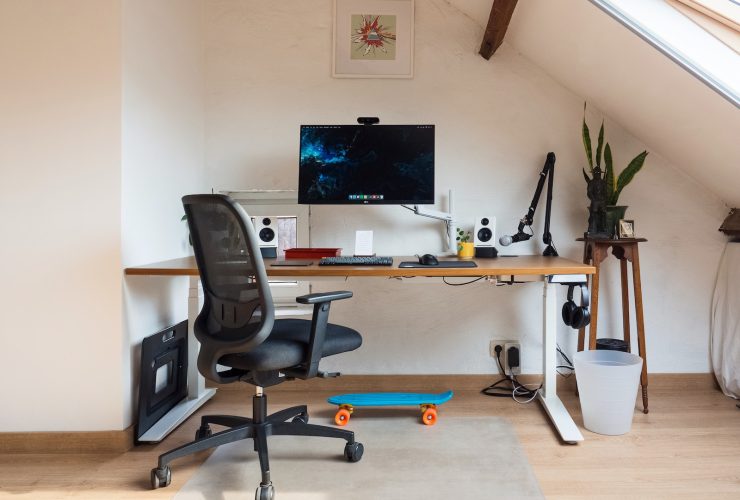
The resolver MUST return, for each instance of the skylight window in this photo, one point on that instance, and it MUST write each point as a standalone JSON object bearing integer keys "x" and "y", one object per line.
{"x": 726, "y": 12}
{"x": 721, "y": 18}
{"x": 693, "y": 48}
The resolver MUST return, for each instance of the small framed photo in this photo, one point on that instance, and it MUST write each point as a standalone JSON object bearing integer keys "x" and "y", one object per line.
{"x": 626, "y": 228}
{"x": 373, "y": 39}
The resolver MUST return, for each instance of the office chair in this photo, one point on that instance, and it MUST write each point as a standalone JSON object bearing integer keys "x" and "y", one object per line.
{"x": 238, "y": 332}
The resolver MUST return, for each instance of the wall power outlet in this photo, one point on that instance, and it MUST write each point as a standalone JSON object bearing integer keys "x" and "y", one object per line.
{"x": 505, "y": 361}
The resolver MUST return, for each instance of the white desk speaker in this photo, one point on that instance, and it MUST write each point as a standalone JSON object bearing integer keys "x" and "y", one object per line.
{"x": 267, "y": 234}
{"x": 484, "y": 238}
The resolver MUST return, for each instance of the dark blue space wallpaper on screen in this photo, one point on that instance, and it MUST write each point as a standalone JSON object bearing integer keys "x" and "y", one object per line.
{"x": 366, "y": 164}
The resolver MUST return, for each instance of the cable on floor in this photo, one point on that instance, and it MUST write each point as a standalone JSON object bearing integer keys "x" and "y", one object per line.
{"x": 510, "y": 387}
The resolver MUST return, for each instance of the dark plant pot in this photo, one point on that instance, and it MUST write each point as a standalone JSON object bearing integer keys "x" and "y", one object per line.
{"x": 613, "y": 214}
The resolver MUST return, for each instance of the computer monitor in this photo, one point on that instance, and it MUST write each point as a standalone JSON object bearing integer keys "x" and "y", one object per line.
{"x": 366, "y": 164}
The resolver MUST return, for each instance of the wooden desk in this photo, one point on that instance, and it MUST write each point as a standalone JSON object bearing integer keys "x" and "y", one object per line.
{"x": 550, "y": 269}
{"x": 528, "y": 265}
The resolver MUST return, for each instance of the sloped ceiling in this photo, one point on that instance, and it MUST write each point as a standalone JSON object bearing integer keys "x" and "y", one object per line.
{"x": 675, "y": 114}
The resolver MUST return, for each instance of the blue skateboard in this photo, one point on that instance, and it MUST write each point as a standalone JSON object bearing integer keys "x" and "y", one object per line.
{"x": 427, "y": 403}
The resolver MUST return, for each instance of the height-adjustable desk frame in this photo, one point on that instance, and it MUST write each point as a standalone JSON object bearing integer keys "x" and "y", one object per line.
{"x": 551, "y": 270}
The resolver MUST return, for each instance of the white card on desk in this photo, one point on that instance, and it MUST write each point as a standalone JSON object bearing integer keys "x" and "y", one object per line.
{"x": 363, "y": 243}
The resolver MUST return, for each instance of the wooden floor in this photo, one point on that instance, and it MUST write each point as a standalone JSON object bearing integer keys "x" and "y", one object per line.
{"x": 688, "y": 446}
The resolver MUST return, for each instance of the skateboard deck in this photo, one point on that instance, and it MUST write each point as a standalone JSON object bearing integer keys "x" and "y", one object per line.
{"x": 427, "y": 403}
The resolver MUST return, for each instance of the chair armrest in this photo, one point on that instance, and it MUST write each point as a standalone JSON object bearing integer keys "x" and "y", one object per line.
{"x": 319, "y": 298}
{"x": 321, "y": 305}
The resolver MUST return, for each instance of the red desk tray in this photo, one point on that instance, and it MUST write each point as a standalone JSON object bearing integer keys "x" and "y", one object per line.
{"x": 312, "y": 253}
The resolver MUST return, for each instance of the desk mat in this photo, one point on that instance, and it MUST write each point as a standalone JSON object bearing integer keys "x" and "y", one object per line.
{"x": 458, "y": 458}
{"x": 442, "y": 263}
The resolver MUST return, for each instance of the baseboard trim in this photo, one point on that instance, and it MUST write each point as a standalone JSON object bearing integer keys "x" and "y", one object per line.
{"x": 434, "y": 383}
{"x": 67, "y": 442}
{"x": 379, "y": 383}
{"x": 123, "y": 440}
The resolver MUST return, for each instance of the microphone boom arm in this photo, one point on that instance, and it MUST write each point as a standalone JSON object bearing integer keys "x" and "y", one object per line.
{"x": 548, "y": 172}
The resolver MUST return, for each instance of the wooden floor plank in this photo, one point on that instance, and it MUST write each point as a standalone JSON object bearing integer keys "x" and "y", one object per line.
{"x": 687, "y": 447}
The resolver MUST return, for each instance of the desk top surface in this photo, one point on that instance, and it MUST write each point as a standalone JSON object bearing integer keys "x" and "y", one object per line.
{"x": 501, "y": 266}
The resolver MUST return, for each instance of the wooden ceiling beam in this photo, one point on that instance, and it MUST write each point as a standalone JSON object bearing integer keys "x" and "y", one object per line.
{"x": 498, "y": 22}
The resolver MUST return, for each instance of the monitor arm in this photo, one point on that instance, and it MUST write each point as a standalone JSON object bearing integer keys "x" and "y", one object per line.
{"x": 447, "y": 217}
{"x": 548, "y": 172}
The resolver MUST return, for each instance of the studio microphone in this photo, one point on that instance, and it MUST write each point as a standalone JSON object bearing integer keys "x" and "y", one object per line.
{"x": 508, "y": 240}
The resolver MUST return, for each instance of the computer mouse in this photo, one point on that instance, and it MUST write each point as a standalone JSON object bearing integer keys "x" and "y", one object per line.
{"x": 428, "y": 260}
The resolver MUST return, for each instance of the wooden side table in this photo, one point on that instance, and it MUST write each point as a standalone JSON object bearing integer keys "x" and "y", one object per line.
{"x": 594, "y": 253}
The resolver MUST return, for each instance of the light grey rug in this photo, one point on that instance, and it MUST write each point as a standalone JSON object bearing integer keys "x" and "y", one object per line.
{"x": 458, "y": 458}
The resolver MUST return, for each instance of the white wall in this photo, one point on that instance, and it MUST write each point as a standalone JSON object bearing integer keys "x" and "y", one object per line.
{"x": 268, "y": 71}
{"x": 678, "y": 116}
{"x": 163, "y": 153}
{"x": 101, "y": 129}
{"x": 102, "y": 115}
{"x": 60, "y": 198}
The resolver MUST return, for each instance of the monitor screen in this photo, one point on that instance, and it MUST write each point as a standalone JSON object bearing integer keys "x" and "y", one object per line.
{"x": 366, "y": 164}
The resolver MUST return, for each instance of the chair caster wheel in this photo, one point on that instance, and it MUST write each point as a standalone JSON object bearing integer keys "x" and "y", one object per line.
{"x": 161, "y": 477}
{"x": 353, "y": 452}
{"x": 265, "y": 493}
{"x": 300, "y": 419}
{"x": 204, "y": 431}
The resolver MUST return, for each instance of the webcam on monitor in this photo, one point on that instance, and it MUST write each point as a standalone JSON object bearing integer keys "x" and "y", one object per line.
{"x": 368, "y": 120}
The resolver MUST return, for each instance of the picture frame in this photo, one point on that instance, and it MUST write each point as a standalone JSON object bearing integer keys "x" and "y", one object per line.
{"x": 626, "y": 228}
{"x": 373, "y": 39}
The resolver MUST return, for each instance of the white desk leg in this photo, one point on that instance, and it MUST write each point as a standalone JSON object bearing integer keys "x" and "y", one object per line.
{"x": 196, "y": 382}
{"x": 197, "y": 392}
{"x": 548, "y": 393}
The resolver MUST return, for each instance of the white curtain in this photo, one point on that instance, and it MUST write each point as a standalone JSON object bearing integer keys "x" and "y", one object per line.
{"x": 725, "y": 327}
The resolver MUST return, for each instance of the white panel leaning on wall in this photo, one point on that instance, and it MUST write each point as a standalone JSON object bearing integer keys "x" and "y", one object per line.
{"x": 292, "y": 231}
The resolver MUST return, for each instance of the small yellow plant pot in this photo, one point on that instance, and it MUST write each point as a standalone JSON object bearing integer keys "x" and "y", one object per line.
{"x": 465, "y": 250}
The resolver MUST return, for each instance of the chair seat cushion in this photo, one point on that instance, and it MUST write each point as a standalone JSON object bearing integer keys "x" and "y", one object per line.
{"x": 287, "y": 346}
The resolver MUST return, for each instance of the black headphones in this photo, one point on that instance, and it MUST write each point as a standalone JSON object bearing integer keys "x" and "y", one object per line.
{"x": 577, "y": 316}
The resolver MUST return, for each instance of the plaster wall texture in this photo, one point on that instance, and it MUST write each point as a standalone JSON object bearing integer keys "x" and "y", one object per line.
{"x": 268, "y": 71}
{"x": 102, "y": 133}
{"x": 60, "y": 165}
{"x": 163, "y": 116}
{"x": 675, "y": 114}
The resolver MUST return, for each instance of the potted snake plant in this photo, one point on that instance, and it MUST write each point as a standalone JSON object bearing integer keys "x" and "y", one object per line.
{"x": 614, "y": 184}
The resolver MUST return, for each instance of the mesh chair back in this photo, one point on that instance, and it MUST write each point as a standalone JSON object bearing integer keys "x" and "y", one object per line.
{"x": 238, "y": 312}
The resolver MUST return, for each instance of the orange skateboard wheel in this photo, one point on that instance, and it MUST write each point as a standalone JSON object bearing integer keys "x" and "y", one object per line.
{"x": 429, "y": 417}
{"x": 342, "y": 417}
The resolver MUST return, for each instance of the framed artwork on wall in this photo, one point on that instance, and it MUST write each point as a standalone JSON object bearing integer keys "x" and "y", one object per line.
{"x": 373, "y": 39}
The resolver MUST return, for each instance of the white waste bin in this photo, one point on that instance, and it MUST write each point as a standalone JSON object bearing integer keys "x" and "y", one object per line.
{"x": 607, "y": 387}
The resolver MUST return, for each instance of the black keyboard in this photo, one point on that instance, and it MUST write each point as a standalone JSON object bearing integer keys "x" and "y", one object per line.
{"x": 356, "y": 261}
